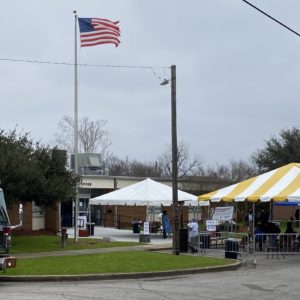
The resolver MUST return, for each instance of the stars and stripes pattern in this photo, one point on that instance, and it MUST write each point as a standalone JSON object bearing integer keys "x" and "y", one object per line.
{"x": 278, "y": 185}
{"x": 95, "y": 31}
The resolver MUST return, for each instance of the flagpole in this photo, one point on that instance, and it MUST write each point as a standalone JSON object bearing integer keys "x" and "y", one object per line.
{"x": 76, "y": 127}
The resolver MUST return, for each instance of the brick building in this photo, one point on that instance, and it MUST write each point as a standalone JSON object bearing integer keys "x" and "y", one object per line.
{"x": 53, "y": 218}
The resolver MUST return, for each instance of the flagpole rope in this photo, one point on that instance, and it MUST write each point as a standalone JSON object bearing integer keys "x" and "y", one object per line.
{"x": 84, "y": 65}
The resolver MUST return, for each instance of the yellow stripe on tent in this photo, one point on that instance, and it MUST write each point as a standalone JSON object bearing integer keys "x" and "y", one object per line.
{"x": 207, "y": 196}
{"x": 216, "y": 196}
{"x": 241, "y": 187}
{"x": 290, "y": 189}
{"x": 270, "y": 182}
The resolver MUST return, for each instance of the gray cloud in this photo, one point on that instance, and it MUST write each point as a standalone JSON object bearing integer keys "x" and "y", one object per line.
{"x": 237, "y": 73}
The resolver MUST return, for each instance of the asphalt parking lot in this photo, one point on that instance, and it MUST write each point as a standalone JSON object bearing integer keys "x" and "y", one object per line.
{"x": 269, "y": 279}
{"x": 273, "y": 278}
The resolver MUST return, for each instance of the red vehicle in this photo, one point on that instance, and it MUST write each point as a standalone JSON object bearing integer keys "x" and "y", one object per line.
{"x": 6, "y": 261}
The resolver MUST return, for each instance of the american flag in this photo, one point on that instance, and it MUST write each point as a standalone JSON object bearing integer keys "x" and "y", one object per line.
{"x": 95, "y": 31}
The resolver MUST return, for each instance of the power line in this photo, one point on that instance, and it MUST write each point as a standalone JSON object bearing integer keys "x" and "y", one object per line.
{"x": 275, "y": 20}
{"x": 83, "y": 65}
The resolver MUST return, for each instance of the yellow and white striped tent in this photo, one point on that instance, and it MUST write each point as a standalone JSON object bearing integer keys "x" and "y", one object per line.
{"x": 278, "y": 185}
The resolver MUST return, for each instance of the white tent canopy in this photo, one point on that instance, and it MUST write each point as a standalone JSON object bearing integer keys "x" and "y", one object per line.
{"x": 147, "y": 192}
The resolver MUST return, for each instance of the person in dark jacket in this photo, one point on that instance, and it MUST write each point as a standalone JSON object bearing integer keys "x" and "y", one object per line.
{"x": 264, "y": 217}
{"x": 289, "y": 226}
{"x": 272, "y": 229}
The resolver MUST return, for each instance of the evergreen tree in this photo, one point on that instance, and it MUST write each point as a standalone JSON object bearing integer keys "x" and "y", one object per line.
{"x": 279, "y": 151}
{"x": 32, "y": 172}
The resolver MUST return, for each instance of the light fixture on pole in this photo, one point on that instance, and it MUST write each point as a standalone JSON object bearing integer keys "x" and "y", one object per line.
{"x": 174, "y": 159}
{"x": 165, "y": 82}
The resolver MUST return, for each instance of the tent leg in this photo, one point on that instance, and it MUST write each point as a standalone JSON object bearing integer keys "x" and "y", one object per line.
{"x": 253, "y": 220}
{"x": 90, "y": 218}
{"x": 116, "y": 217}
{"x": 271, "y": 210}
{"x": 236, "y": 216}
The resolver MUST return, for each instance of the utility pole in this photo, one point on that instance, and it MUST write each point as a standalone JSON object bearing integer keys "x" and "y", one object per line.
{"x": 174, "y": 162}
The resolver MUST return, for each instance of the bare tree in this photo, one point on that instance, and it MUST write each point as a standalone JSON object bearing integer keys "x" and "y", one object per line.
{"x": 187, "y": 166}
{"x": 238, "y": 170}
{"x": 146, "y": 169}
{"x": 91, "y": 135}
{"x": 117, "y": 166}
{"x": 125, "y": 167}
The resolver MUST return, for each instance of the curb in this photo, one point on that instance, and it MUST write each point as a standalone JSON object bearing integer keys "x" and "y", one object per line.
{"x": 40, "y": 278}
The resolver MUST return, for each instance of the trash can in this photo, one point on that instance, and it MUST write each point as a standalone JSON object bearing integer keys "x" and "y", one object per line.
{"x": 231, "y": 249}
{"x": 136, "y": 227}
{"x": 90, "y": 228}
{"x": 183, "y": 239}
{"x": 64, "y": 237}
{"x": 205, "y": 240}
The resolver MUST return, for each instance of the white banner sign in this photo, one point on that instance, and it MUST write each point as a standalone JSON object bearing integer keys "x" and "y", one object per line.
{"x": 212, "y": 222}
{"x": 211, "y": 225}
{"x": 211, "y": 228}
{"x": 146, "y": 228}
{"x": 224, "y": 213}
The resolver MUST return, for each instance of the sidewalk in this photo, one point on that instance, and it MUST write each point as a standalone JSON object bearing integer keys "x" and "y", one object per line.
{"x": 122, "y": 235}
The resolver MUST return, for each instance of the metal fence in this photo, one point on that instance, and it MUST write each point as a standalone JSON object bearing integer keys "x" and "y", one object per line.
{"x": 242, "y": 246}
{"x": 227, "y": 244}
{"x": 277, "y": 245}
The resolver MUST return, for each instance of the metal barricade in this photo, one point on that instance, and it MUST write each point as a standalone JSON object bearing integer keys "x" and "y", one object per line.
{"x": 276, "y": 244}
{"x": 243, "y": 247}
{"x": 226, "y": 244}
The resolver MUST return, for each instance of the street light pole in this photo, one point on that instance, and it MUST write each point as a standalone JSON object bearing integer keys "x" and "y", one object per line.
{"x": 174, "y": 162}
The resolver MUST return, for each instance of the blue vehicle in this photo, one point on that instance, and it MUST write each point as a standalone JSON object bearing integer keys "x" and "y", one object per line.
{"x": 6, "y": 261}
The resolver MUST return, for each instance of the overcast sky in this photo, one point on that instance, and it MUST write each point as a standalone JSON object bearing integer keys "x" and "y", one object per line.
{"x": 238, "y": 73}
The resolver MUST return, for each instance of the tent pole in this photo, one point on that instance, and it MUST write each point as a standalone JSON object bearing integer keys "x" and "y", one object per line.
{"x": 253, "y": 220}
{"x": 116, "y": 217}
{"x": 271, "y": 211}
{"x": 298, "y": 217}
{"x": 236, "y": 216}
{"x": 89, "y": 209}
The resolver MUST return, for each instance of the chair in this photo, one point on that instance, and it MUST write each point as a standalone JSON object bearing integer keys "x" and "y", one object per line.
{"x": 295, "y": 245}
{"x": 274, "y": 244}
{"x": 156, "y": 228}
{"x": 244, "y": 243}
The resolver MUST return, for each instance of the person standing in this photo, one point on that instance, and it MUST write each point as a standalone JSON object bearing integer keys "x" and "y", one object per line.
{"x": 249, "y": 222}
{"x": 289, "y": 226}
{"x": 290, "y": 236}
{"x": 264, "y": 217}
{"x": 165, "y": 224}
{"x": 193, "y": 235}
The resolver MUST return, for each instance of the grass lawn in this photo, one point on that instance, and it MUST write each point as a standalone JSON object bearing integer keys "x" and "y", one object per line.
{"x": 43, "y": 243}
{"x": 114, "y": 262}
